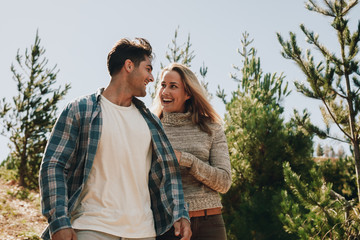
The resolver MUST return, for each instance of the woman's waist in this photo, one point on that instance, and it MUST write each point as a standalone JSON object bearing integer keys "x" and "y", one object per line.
{"x": 201, "y": 202}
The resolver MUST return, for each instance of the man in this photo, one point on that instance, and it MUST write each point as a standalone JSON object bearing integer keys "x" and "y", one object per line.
{"x": 109, "y": 171}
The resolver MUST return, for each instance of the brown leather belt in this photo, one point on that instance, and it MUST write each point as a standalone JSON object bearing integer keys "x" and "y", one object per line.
{"x": 205, "y": 212}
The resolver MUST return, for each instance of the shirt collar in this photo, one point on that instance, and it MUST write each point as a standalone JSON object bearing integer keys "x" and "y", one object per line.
{"x": 138, "y": 103}
{"x": 98, "y": 94}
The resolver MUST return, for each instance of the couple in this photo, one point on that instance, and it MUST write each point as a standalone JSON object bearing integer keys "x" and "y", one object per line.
{"x": 110, "y": 172}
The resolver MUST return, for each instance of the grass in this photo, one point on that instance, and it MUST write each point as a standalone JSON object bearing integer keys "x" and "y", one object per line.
{"x": 20, "y": 214}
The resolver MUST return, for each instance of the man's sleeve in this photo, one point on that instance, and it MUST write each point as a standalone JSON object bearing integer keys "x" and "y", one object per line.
{"x": 58, "y": 157}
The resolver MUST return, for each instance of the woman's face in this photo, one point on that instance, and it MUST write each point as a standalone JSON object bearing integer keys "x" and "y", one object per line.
{"x": 172, "y": 93}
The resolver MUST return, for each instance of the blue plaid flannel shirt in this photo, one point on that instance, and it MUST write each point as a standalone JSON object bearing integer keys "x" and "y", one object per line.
{"x": 69, "y": 156}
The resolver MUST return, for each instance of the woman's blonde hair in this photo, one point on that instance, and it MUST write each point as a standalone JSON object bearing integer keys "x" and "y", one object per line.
{"x": 198, "y": 104}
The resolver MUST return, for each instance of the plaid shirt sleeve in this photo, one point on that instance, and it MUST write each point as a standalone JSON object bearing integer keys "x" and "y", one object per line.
{"x": 173, "y": 197}
{"x": 167, "y": 197}
{"x": 57, "y": 159}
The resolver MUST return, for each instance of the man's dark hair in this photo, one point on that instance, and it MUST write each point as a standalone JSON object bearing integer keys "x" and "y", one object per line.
{"x": 135, "y": 50}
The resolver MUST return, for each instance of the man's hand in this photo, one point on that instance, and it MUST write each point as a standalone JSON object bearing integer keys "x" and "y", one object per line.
{"x": 183, "y": 228}
{"x": 65, "y": 234}
{"x": 178, "y": 155}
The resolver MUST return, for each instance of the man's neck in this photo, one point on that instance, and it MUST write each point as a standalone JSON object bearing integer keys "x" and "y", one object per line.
{"x": 117, "y": 95}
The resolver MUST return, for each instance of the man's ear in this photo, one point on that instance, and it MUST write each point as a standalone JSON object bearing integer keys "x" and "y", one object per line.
{"x": 129, "y": 66}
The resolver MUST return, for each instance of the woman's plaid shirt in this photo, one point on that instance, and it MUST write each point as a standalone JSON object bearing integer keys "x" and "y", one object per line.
{"x": 69, "y": 156}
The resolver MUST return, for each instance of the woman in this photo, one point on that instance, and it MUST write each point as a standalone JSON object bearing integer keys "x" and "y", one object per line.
{"x": 197, "y": 136}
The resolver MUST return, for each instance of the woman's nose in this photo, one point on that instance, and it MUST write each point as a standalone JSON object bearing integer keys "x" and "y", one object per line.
{"x": 164, "y": 91}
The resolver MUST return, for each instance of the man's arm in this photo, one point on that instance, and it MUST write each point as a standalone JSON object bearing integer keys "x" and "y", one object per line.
{"x": 166, "y": 172}
{"x": 53, "y": 171}
{"x": 182, "y": 225}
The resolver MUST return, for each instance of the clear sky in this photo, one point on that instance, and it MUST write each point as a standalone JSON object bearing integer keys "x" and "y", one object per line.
{"x": 77, "y": 36}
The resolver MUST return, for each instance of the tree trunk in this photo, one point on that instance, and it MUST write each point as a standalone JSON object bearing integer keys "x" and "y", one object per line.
{"x": 22, "y": 171}
{"x": 357, "y": 165}
{"x": 23, "y": 159}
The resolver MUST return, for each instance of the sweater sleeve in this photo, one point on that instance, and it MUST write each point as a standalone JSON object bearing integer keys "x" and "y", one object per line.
{"x": 216, "y": 173}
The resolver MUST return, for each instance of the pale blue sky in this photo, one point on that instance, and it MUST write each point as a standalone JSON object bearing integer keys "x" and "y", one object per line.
{"x": 77, "y": 36}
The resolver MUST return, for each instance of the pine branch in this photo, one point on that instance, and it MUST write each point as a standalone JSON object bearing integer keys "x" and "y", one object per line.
{"x": 330, "y": 230}
{"x": 350, "y": 6}
{"x": 334, "y": 119}
{"x": 314, "y": 7}
{"x": 313, "y": 39}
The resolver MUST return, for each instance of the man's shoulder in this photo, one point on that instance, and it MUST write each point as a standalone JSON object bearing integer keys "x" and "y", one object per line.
{"x": 84, "y": 100}
{"x": 81, "y": 106}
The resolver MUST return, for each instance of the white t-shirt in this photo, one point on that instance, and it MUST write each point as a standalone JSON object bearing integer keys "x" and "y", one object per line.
{"x": 116, "y": 198}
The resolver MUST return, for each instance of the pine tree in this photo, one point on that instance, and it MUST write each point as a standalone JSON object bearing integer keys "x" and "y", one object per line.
{"x": 319, "y": 150}
{"x": 312, "y": 210}
{"x": 28, "y": 120}
{"x": 341, "y": 174}
{"x": 334, "y": 80}
{"x": 182, "y": 53}
{"x": 259, "y": 142}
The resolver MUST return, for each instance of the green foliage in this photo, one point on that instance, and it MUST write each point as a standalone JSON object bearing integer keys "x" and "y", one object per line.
{"x": 252, "y": 122}
{"x": 8, "y": 174}
{"x": 179, "y": 53}
{"x": 29, "y": 235}
{"x": 335, "y": 79}
{"x": 28, "y": 120}
{"x": 312, "y": 210}
{"x": 341, "y": 174}
{"x": 259, "y": 143}
{"x": 21, "y": 194}
{"x": 319, "y": 150}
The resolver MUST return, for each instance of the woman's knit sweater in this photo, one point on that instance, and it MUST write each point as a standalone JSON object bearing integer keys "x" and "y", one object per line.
{"x": 204, "y": 164}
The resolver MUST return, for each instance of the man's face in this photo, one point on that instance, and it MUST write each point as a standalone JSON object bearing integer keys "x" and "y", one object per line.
{"x": 140, "y": 77}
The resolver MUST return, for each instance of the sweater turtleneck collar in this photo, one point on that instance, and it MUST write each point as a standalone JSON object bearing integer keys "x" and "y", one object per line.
{"x": 176, "y": 119}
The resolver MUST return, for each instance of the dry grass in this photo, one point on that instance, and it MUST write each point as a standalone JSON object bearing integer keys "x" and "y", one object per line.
{"x": 20, "y": 216}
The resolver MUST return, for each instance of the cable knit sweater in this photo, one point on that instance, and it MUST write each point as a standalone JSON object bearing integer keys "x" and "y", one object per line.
{"x": 204, "y": 164}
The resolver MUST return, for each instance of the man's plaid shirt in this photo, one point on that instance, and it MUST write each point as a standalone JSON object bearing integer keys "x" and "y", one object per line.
{"x": 69, "y": 156}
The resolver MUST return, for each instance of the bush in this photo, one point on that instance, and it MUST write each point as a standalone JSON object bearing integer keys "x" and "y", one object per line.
{"x": 341, "y": 174}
